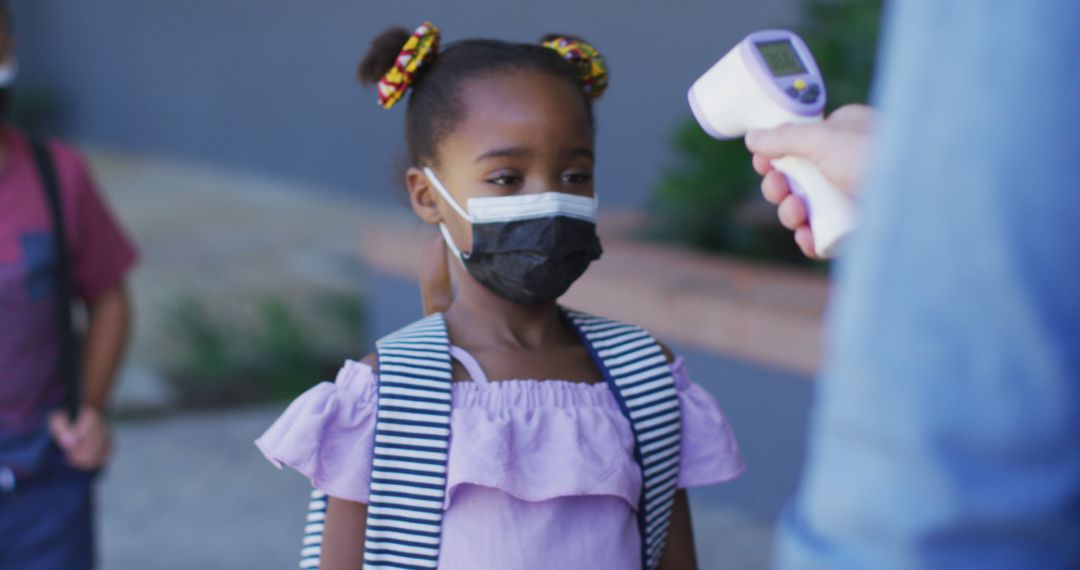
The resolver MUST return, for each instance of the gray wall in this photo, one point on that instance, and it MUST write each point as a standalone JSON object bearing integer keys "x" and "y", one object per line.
{"x": 267, "y": 85}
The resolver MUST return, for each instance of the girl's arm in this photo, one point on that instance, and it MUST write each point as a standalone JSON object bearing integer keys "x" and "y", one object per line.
{"x": 345, "y": 525}
{"x": 343, "y": 535}
{"x": 679, "y": 551}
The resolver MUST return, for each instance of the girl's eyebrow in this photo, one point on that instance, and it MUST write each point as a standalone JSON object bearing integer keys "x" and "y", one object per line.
{"x": 519, "y": 151}
{"x": 505, "y": 152}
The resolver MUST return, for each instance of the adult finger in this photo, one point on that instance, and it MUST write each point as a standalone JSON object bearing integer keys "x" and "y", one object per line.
{"x": 805, "y": 239}
{"x": 792, "y": 213}
{"x": 797, "y": 140}
{"x": 775, "y": 187}
{"x": 762, "y": 164}
{"x": 854, "y": 116}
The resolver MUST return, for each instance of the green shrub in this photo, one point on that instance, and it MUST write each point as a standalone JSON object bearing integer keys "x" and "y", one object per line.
{"x": 286, "y": 348}
{"x": 277, "y": 355}
{"x": 710, "y": 198}
{"x": 204, "y": 341}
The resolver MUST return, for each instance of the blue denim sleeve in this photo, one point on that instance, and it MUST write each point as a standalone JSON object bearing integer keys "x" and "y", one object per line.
{"x": 946, "y": 432}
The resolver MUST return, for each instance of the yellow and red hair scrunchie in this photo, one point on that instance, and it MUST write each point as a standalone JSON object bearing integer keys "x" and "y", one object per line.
{"x": 590, "y": 65}
{"x": 421, "y": 46}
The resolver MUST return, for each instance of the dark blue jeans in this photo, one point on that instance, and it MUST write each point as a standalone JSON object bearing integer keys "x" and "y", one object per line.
{"x": 46, "y": 522}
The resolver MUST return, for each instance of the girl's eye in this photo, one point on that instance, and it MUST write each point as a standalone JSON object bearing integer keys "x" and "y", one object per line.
{"x": 505, "y": 180}
{"x": 577, "y": 178}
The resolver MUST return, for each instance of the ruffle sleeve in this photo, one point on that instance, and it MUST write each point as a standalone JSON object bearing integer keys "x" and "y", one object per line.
{"x": 710, "y": 453}
{"x": 328, "y": 433}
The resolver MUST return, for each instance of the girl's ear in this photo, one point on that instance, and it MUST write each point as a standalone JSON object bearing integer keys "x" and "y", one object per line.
{"x": 422, "y": 196}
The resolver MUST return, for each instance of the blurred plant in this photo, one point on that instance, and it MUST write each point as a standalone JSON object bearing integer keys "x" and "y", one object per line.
{"x": 285, "y": 346}
{"x": 279, "y": 354}
{"x": 205, "y": 342}
{"x": 710, "y": 199}
{"x": 344, "y": 312}
{"x": 708, "y": 202}
{"x": 843, "y": 36}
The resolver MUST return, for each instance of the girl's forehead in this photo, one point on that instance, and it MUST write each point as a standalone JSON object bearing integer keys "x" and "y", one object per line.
{"x": 520, "y": 109}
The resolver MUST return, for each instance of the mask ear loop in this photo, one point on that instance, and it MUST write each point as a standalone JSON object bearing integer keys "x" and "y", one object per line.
{"x": 457, "y": 208}
{"x": 450, "y": 243}
{"x": 446, "y": 194}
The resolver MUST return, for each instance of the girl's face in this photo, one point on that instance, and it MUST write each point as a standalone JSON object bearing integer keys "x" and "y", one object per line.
{"x": 521, "y": 134}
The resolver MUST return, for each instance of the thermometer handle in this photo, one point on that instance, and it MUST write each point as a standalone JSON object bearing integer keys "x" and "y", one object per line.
{"x": 831, "y": 212}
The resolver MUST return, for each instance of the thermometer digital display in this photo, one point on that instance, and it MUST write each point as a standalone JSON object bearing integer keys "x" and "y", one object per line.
{"x": 781, "y": 58}
{"x": 767, "y": 80}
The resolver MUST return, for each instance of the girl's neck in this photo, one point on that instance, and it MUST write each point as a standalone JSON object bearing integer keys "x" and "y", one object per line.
{"x": 480, "y": 318}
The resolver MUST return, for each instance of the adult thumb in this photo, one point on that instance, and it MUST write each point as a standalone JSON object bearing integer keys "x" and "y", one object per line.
{"x": 788, "y": 140}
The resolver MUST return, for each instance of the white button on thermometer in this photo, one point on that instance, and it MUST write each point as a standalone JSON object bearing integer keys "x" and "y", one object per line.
{"x": 768, "y": 80}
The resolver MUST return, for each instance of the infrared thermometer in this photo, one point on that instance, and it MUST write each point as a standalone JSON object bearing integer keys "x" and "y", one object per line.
{"x": 768, "y": 80}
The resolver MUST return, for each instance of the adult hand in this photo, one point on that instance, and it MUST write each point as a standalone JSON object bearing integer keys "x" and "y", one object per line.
{"x": 838, "y": 146}
{"x": 86, "y": 443}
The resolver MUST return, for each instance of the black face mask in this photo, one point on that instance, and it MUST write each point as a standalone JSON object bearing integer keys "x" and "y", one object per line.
{"x": 529, "y": 248}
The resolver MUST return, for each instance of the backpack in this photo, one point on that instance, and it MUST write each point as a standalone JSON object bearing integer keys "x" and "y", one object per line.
{"x": 412, "y": 430}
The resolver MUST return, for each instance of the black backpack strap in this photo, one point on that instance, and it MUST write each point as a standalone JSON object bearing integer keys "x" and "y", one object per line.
{"x": 69, "y": 353}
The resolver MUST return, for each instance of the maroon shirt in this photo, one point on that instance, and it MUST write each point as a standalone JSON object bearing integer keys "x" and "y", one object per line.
{"x": 101, "y": 256}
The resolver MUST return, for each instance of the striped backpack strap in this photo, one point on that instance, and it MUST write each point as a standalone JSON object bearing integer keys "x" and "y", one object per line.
{"x": 639, "y": 375}
{"x": 412, "y": 440}
{"x": 313, "y": 530}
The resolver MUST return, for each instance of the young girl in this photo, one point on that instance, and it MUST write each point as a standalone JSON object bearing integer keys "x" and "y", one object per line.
{"x": 505, "y": 432}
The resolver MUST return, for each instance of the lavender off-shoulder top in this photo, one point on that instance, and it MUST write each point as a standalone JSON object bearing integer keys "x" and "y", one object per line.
{"x": 541, "y": 474}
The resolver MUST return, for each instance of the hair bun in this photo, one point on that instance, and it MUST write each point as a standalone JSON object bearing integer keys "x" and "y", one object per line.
{"x": 395, "y": 59}
{"x": 381, "y": 54}
{"x": 590, "y": 66}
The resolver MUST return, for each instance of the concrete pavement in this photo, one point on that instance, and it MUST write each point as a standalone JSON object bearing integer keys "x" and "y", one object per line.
{"x": 191, "y": 491}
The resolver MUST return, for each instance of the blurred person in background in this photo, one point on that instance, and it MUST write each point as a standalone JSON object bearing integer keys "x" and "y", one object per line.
{"x": 947, "y": 424}
{"x": 53, "y": 438}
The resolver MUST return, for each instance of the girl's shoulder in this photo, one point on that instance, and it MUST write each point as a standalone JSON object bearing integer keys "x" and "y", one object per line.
{"x": 371, "y": 361}
{"x": 328, "y": 435}
{"x": 330, "y": 425}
